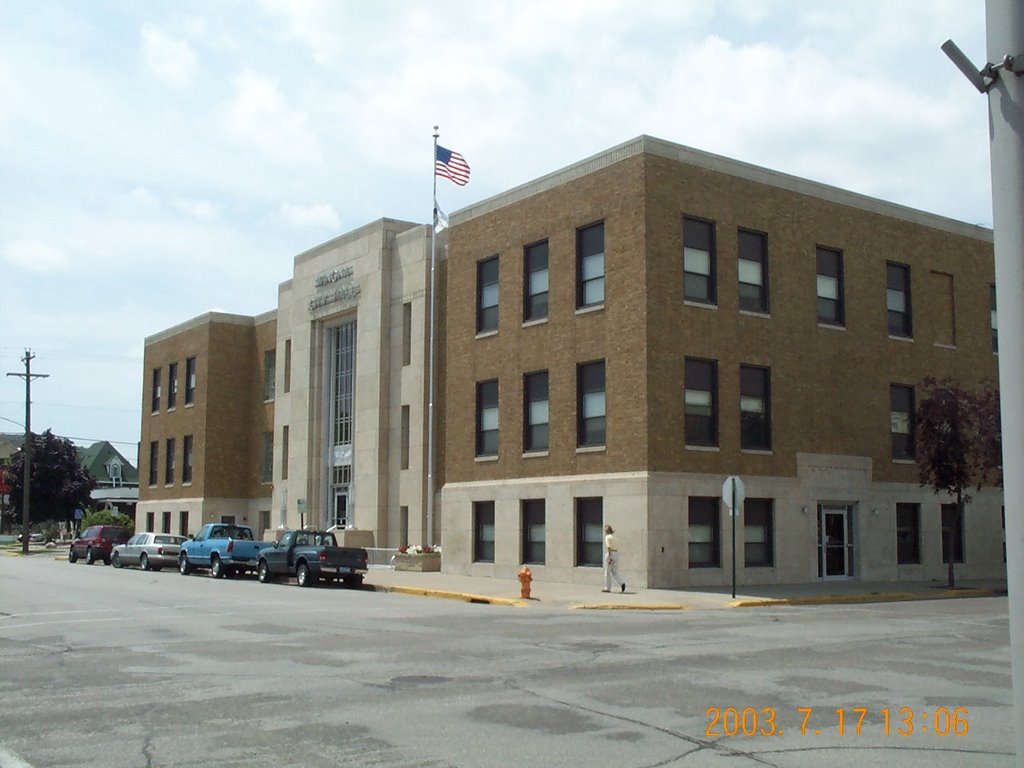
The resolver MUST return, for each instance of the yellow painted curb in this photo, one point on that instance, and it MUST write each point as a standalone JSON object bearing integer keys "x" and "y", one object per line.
{"x": 464, "y": 596}
{"x": 629, "y": 606}
{"x": 877, "y": 597}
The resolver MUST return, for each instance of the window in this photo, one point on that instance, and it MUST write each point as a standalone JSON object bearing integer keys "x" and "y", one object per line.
{"x": 701, "y": 402}
{"x": 155, "y": 407}
{"x": 190, "y": 380}
{"x": 753, "y": 271}
{"x": 698, "y": 260}
{"x": 407, "y": 333}
{"x": 952, "y": 533}
{"x": 403, "y": 526}
{"x": 483, "y": 531}
{"x": 908, "y": 534}
{"x": 169, "y": 462}
{"x": 831, "y": 309}
{"x": 187, "y": 447}
{"x": 897, "y": 299}
{"x": 172, "y": 387}
{"x": 269, "y": 374}
{"x": 590, "y": 266}
{"x": 535, "y": 411}
{"x": 533, "y": 531}
{"x": 487, "y": 418}
{"x": 755, "y": 408}
{"x": 487, "y": 295}
{"x": 535, "y": 282}
{"x": 284, "y": 452}
{"x": 758, "y": 533}
{"x": 287, "y": 365}
{"x": 704, "y": 549}
{"x": 151, "y": 521}
{"x": 183, "y": 522}
{"x": 589, "y": 531}
{"x": 154, "y": 461}
{"x": 267, "y": 458}
{"x": 590, "y": 404}
{"x": 166, "y": 528}
{"x": 992, "y": 313}
{"x": 901, "y": 421}
{"x": 405, "y": 438}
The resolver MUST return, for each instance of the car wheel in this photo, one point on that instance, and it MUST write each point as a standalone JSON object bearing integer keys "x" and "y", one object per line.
{"x": 115, "y": 560}
{"x": 184, "y": 566}
{"x": 263, "y": 572}
{"x": 72, "y": 556}
{"x": 302, "y": 576}
{"x": 216, "y": 569}
{"x": 90, "y": 558}
{"x": 144, "y": 561}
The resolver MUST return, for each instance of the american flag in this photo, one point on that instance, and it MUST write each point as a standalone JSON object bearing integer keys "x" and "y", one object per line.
{"x": 451, "y": 165}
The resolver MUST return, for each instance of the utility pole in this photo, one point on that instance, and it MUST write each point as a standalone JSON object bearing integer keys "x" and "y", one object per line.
{"x": 1000, "y": 79}
{"x": 27, "y": 376}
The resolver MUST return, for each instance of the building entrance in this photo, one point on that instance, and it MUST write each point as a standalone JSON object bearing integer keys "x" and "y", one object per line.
{"x": 835, "y": 541}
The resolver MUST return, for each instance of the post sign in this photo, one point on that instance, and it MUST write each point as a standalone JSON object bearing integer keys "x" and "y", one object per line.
{"x": 733, "y": 493}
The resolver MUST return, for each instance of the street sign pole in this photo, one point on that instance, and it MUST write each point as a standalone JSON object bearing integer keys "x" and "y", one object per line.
{"x": 733, "y": 492}
{"x": 734, "y": 541}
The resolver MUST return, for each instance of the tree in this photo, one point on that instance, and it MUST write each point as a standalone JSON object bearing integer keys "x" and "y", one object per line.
{"x": 958, "y": 445}
{"x": 59, "y": 483}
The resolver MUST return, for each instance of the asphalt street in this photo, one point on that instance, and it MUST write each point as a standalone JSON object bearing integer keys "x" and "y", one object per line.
{"x": 106, "y": 667}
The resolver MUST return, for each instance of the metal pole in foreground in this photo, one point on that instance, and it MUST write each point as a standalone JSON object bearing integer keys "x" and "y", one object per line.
{"x": 1004, "y": 21}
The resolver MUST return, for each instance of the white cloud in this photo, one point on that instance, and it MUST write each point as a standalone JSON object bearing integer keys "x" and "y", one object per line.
{"x": 34, "y": 256}
{"x": 260, "y": 116}
{"x": 172, "y": 59}
{"x": 144, "y": 199}
{"x": 200, "y": 209}
{"x": 316, "y": 215}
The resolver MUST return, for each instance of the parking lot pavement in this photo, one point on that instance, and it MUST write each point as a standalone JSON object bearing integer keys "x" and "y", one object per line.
{"x": 582, "y": 596}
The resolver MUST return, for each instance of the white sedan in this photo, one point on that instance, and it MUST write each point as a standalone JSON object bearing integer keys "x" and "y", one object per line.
{"x": 149, "y": 551}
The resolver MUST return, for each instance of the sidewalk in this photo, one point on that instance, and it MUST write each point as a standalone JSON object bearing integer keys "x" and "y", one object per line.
{"x": 494, "y": 591}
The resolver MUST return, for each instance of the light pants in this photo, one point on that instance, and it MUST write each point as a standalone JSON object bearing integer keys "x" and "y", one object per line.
{"x": 611, "y": 569}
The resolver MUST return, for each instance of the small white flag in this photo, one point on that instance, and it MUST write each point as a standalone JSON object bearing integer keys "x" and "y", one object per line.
{"x": 440, "y": 219}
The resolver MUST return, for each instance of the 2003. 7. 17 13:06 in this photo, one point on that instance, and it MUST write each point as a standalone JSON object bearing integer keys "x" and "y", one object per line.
{"x": 905, "y": 721}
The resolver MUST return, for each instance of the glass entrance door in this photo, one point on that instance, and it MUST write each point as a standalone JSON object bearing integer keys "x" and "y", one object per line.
{"x": 340, "y": 508}
{"x": 835, "y": 541}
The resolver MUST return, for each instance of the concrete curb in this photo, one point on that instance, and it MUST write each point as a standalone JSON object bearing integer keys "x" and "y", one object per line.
{"x": 464, "y": 596}
{"x": 629, "y": 606}
{"x": 870, "y": 597}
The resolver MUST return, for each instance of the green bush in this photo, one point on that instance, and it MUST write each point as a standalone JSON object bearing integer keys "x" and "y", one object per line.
{"x": 106, "y": 517}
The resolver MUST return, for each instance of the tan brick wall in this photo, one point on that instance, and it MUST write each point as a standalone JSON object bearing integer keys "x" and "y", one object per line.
{"x": 829, "y": 387}
{"x": 228, "y": 417}
{"x": 615, "y": 333}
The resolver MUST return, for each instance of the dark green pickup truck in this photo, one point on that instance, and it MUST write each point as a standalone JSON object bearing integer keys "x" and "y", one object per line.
{"x": 312, "y": 556}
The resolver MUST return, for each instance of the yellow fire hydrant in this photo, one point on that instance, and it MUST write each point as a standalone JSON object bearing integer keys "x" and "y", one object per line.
{"x": 525, "y": 577}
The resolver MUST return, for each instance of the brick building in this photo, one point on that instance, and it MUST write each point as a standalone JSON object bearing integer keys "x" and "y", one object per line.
{"x": 615, "y": 339}
{"x": 637, "y": 327}
{"x": 310, "y": 414}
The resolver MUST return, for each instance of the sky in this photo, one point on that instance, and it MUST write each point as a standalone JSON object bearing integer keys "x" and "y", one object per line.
{"x": 159, "y": 160}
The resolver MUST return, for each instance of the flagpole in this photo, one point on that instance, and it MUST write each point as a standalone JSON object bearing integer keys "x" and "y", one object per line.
{"x": 431, "y": 364}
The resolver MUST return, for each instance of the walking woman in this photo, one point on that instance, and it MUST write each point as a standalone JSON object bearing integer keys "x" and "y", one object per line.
{"x": 611, "y": 561}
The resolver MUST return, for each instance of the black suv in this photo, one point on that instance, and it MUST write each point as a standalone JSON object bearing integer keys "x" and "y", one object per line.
{"x": 96, "y": 543}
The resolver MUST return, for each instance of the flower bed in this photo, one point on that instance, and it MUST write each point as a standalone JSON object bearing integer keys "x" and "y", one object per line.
{"x": 417, "y": 558}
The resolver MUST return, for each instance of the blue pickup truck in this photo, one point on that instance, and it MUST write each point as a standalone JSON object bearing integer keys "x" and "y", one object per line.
{"x": 225, "y": 549}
